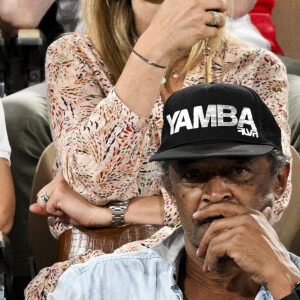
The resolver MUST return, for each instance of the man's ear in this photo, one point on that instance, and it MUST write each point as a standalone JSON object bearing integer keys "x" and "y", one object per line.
{"x": 281, "y": 181}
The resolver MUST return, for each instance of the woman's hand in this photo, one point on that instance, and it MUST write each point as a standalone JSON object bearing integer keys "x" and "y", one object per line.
{"x": 178, "y": 24}
{"x": 68, "y": 205}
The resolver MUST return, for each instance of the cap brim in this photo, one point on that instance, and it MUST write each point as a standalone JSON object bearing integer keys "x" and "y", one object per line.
{"x": 194, "y": 151}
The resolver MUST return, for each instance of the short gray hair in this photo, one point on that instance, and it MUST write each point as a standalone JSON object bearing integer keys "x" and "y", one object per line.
{"x": 278, "y": 160}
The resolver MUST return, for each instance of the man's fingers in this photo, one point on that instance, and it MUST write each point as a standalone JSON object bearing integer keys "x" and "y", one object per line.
{"x": 216, "y": 228}
{"x": 225, "y": 209}
{"x": 221, "y": 245}
{"x": 267, "y": 212}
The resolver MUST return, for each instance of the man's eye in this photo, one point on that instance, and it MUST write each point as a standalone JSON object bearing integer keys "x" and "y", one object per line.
{"x": 192, "y": 174}
{"x": 240, "y": 170}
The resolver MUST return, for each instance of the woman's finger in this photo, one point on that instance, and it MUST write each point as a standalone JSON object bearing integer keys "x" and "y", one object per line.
{"x": 215, "y": 19}
{"x": 42, "y": 199}
{"x": 44, "y": 194}
{"x": 36, "y": 209}
{"x": 216, "y": 5}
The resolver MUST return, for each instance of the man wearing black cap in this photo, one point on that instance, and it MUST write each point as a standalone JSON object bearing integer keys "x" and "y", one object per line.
{"x": 222, "y": 152}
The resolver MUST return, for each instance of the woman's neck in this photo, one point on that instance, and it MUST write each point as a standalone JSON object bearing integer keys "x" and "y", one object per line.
{"x": 174, "y": 82}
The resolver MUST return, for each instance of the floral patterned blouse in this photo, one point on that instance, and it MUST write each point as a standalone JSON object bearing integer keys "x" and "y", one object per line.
{"x": 103, "y": 148}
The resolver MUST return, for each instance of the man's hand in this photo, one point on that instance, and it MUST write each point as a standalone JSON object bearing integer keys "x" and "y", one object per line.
{"x": 246, "y": 236}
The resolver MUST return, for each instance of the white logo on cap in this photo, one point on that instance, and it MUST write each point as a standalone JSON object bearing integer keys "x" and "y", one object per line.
{"x": 214, "y": 117}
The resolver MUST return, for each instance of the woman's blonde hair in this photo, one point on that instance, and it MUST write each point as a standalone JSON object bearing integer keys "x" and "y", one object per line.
{"x": 110, "y": 26}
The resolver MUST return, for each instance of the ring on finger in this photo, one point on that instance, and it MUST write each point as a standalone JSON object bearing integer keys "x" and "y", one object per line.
{"x": 44, "y": 197}
{"x": 215, "y": 21}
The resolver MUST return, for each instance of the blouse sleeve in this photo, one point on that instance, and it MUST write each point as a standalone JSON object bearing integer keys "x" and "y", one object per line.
{"x": 171, "y": 215}
{"x": 266, "y": 74}
{"x": 94, "y": 132}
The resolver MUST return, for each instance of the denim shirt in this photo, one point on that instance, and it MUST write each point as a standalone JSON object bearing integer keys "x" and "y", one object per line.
{"x": 143, "y": 275}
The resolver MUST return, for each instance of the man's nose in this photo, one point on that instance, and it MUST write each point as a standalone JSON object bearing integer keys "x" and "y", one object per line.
{"x": 216, "y": 190}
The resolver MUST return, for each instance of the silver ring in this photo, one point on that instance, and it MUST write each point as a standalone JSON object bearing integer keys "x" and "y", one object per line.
{"x": 44, "y": 197}
{"x": 215, "y": 21}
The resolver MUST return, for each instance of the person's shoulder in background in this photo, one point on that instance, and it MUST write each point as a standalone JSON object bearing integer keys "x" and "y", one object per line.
{"x": 7, "y": 195}
{"x": 69, "y": 15}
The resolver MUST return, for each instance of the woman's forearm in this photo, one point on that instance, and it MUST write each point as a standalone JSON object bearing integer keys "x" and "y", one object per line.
{"x": 145, "y": 210}
{"x": 149, "y": 78}
{"x": 65, "y": 203}
{"x": 140, "y": 210}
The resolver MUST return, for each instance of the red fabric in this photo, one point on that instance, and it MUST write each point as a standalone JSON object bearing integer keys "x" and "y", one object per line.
{"x": 261, "y": 18}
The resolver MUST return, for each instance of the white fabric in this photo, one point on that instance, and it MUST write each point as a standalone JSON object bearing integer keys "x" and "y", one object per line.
{"x": 4, "y": 144}
{"x": 243, "y": 29}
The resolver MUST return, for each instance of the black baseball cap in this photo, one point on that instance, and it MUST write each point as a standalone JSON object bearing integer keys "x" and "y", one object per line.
{"x": 217, "y": 120}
